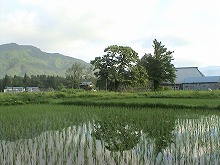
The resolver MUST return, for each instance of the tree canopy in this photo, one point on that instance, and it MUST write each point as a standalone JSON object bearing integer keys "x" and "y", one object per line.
{"x": 158, "y": 65}
{"x": 116, "y": 69}
{"x": 75, "y": 74}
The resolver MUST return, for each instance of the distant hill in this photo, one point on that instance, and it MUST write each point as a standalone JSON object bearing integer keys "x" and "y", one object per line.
{"x": 20, "y": 59}
{"x": 210, "y": 70}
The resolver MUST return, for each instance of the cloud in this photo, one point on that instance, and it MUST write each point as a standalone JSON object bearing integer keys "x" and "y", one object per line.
{"x": 83, "y": 29}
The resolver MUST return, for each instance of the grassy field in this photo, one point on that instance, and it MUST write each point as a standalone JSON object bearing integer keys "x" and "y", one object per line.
{"x": 27, "y": 121}
{"x": 77, "y": 127}
{"x": 178, "y": 103}
{"x": 70, "y": 134}
{"x": 165, "y": 99}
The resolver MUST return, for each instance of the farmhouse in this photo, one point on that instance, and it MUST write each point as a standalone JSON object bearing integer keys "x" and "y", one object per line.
{"x": 190, "y": 78}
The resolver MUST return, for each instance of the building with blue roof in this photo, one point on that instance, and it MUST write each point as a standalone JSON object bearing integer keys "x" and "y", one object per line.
{"x": 190, "y": 78}
{"x": 202, "y": 83}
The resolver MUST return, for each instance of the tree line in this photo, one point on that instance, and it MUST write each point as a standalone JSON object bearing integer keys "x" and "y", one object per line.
{"x": 47, "y": 82}
{"x": 41, "y": 81}
{"x": 120, "y": 68}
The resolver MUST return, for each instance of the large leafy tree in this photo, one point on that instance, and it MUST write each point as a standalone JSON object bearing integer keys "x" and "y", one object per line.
{"x": 26, "y": 80}
{"x": 138, "y": 75}
{"x": 116, "y": 68}
{"x": 158, "y": 65}
{"x": 75, "y": 74}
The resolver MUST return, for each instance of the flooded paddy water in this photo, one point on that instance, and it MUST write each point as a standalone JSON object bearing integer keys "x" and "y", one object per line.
{"x": 116, "y": 136}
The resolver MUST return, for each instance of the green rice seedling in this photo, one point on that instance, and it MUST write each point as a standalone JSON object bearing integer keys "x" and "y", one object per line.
{"x": 61, "y": 134}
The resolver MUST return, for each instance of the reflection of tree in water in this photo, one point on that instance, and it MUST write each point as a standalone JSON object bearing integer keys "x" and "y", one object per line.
{"x": 122, "y": 131}
{"x": 117, "y": 135}
{"x": 160, "y": 129}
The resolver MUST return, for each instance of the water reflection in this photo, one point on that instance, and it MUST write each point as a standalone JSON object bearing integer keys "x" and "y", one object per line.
{"x": 121, "y": 133}
{"x": 114, "y": 141}
{"x": 197, "y": 140}
{"x": 117, "y": 136}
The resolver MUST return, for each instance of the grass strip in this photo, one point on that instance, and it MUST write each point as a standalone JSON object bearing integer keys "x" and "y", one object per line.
{"x": 136, "y": 105}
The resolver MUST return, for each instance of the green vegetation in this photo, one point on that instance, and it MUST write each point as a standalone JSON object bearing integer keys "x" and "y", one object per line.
{"x": 159, "y": 66}
{"x": 77, "y": 74}
{"x": 28, "y": 121}
{"x": 19, "y": 59}
{"x": 164, "y": 99}
{"x": 118, "y": 69}
{"x": 73, "y": 126}
{"x": 62, "y": 134}
{"x": 148, "y": 103}
{"x": 45, "y": 82}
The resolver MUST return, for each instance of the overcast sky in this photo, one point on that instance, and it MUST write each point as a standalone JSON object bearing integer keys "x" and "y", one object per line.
{"x": 84, "y": 28}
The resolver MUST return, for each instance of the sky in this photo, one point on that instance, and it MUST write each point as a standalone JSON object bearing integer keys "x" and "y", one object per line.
{"x": 83, "y": 28}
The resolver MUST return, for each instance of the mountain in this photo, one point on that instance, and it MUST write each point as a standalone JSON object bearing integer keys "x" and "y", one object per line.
{"x": 20, "y": 59}
{"x": 210, "y": 70}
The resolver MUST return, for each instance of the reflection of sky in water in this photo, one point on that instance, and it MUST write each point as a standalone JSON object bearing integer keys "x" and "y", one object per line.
{"x": 196, "y": 142}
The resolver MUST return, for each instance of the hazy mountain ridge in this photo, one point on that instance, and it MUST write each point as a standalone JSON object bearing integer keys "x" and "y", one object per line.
{"x": 20, "y": 59}
{"x": 210, "y": 70}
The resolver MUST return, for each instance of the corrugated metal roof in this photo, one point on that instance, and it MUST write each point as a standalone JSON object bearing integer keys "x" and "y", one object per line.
{"x": 185, "y": 72}
{"x": 86, "y": 83}
{"x": 209, "y": 79}
{"x": 14, "y": 88}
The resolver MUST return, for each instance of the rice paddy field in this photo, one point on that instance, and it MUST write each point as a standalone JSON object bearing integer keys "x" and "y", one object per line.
{"x": 111, "y": 128}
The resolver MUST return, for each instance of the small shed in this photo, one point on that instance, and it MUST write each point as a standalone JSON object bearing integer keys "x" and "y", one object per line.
{"x": 32, "y": 89}
{"x": 88, "y": 86}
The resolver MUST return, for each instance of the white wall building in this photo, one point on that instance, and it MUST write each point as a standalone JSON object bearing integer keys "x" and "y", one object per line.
{"x": 21, "y": 89}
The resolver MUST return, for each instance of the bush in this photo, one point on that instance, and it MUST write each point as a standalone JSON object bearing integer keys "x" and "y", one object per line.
{"x": 60, "y": 95}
